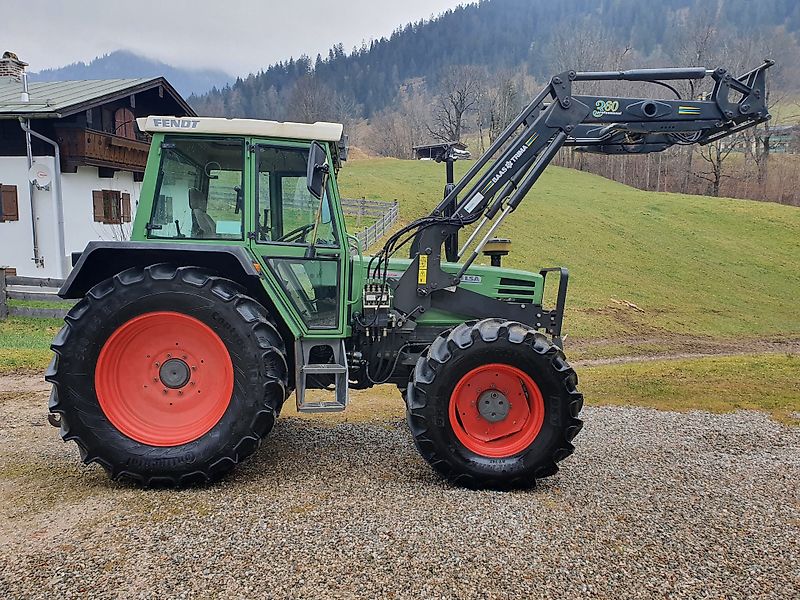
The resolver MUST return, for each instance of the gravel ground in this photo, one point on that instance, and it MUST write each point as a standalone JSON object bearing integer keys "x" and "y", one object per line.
{"x": 653, "y": 504}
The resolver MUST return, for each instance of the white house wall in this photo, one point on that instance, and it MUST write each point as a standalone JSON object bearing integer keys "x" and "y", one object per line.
{"x": 16, "y": 245}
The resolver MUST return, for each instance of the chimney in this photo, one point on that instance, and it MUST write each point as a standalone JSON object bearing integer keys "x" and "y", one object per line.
{"x": 11, "y": 66}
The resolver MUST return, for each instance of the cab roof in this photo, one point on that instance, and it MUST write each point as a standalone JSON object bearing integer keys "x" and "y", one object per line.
{"x": 321, "y": 131}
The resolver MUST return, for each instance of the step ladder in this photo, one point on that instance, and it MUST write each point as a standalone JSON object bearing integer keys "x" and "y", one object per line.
{"x": 305, "y": 368}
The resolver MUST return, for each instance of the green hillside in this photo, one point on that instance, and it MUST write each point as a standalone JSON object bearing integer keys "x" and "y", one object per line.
{"x": 700, "y": 268}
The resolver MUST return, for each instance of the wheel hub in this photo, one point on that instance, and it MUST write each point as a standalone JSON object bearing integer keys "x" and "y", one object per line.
{"x": 496, "y": 410}
{"x": 164, "y": 378}
{"x": 493, "y": 405}
{"x": 174, "y": 373}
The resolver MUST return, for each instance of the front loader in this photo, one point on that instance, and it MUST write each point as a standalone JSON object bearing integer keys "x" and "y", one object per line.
{"x": 241, "y": 285}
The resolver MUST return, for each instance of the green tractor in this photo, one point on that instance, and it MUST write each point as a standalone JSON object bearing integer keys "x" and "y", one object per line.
{"x": 241, "y": 285}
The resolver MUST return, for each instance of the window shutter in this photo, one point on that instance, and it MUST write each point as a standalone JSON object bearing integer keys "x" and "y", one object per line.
{"x": 126, "y": 207}
{"x": 97, "y": 203}
{"x": 112, "y": 207}
{"x": 10, "y": 203}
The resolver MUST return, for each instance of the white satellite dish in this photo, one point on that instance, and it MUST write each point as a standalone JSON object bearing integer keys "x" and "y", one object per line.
{"x": 40, "y": 176}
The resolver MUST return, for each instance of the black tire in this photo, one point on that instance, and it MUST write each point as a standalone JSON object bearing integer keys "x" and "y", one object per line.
{"x": 254, "y": 345}
{"x": 473, "y": 344}
{"x": 403, "y": 389}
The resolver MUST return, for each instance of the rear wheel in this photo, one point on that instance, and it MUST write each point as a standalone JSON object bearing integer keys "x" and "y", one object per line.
{"x": 167, "y": 375}
{"x": 493, "y": 404}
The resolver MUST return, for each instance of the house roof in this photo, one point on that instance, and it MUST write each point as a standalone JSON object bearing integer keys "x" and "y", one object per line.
{"x": 57, "y": 99}
{"x": 440, "y": 146}
{"x": 329, "y": 132}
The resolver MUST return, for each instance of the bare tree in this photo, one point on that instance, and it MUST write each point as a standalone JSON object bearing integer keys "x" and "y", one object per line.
{"x": 273, "y": 105}
{"x": 499, "y": 101}
{"x": 694, "y": 44}
{"x": 586, "y": 47}
{"x": 310, "y": 100}
{"x": 393, "y": 132}
{"x": 757, "y": 142}
{"x": 345, "y": 110}
{"x": 782, "y": 77}
{"x": 715, "y": 154}
{"x": 460, "y": 88}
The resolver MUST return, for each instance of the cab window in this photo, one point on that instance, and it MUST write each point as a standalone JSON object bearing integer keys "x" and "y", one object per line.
{"x": 285, "y": 210}
{"x": 199, "y": 189}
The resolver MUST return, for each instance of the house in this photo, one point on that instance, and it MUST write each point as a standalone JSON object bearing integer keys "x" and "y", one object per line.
{"x": 783, "y": 139}
{"x": 71, "y": 163}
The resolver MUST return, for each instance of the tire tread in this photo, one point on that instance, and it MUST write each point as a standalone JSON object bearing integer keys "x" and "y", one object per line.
{"x": 253, "y": 314}
{"x": 460, "y": 339}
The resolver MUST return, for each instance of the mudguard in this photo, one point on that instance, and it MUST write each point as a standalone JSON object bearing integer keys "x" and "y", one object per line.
{"x": 101, "y": 260}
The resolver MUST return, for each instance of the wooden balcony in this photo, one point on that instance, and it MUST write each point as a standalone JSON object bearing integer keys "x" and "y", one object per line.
{"x": 87, "y": 147}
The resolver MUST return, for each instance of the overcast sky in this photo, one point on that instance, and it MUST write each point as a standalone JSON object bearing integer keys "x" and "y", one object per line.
{"x": 237, "y": 36}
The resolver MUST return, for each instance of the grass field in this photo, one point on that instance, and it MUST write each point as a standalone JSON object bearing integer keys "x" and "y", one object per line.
{"x": 25, "y": 343}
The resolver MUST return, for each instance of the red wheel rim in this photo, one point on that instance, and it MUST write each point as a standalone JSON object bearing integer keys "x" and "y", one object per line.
{"x": 496, "y": 410}
{"x": 164, "y": 379}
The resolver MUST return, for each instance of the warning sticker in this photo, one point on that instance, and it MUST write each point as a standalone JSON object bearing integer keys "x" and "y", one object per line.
{"x": 474, "y": 201}
{"x": 422, "y": 274}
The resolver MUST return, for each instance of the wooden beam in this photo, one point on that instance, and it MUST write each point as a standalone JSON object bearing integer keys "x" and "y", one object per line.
{"x": 40, "y": 281}
{"x": 38, "y": 296}
{"x": 3, "y": 303}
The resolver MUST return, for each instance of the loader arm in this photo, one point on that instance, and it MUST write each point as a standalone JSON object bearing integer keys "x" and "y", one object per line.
{"x": 553, "y": 119}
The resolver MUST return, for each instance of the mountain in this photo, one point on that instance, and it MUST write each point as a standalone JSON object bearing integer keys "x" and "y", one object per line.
{"x": 123, "y": 64}
{"x": 528, "y": 36}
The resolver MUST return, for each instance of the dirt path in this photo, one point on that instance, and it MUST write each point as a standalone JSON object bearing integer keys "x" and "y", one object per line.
{"x": 23, "y": 383}
{"x": 790, "y": 347}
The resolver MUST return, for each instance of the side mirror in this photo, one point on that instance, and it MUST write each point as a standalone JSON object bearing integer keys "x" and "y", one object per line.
{"x": 317, "y": 170}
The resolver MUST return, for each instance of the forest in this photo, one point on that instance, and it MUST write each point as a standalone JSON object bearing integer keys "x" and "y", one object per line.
{"x": 466, "y": 73}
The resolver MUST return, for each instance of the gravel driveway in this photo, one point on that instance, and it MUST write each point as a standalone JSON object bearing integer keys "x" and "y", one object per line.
{"x": 652, "y": 504}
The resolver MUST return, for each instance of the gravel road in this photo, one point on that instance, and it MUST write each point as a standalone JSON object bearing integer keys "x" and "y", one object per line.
{"x": 652, "y": 505}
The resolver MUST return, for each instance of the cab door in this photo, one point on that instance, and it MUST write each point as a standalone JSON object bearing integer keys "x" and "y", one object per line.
{"x": 285, "y": 220}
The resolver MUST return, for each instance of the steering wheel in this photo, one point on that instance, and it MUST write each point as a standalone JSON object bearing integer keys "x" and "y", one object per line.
{"x": 212, "y": 165}
{"x": 297, "y": 235}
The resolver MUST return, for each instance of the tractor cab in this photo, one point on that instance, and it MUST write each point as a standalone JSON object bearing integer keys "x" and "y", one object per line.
{"x": 199, "y": 190}
{"x": 245, "y": 182}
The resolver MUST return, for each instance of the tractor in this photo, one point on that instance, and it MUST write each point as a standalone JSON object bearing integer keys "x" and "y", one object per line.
{"x": 240, "y": 285}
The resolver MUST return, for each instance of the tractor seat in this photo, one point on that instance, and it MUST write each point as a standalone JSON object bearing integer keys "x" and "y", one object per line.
{"x": 203, "y": 226}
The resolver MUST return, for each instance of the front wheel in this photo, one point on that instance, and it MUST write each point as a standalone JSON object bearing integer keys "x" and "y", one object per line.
{"x": 493, "y": 404}
{"x": 167, "y": 375}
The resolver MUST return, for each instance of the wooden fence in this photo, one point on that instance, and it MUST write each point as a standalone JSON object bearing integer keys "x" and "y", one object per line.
{"x": 366, "y": 208}
{"x": 31, "y": 289}
{"x": 386, "y": 214}
{"x": 378, "y": 229}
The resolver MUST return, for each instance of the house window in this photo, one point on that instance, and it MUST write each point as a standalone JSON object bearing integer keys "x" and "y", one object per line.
{"x": 9, "y": 206}
{"x": 111, "y": 207}
{"x": 123, "y": 123}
